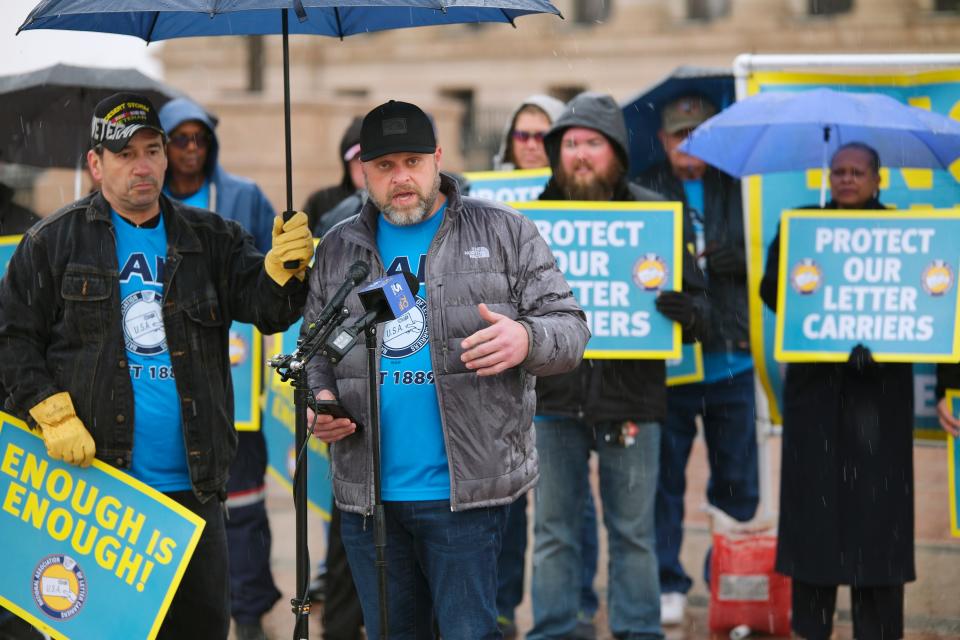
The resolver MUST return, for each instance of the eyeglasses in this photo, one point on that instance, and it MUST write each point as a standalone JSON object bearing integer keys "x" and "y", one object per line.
{"x": 525, "y": 136}
{"x": 182, "y": 140}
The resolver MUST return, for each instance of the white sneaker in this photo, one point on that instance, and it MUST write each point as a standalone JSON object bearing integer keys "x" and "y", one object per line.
{"x": 672, "y": 607}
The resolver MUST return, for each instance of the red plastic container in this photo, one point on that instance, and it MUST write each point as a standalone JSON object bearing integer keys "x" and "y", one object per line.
{"x": 744, "y": 588}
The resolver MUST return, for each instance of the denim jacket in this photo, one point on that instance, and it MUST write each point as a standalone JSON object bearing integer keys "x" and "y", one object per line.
{"x": 60, "y": 326}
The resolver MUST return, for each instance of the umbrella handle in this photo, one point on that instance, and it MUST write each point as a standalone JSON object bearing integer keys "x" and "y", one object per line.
{"x": 290, "y": 264}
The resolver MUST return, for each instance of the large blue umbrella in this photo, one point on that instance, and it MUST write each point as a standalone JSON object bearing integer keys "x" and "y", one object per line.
{"x": 153, "y": 20}
{"x": 790, "y": 131}
{"x": 642, "y": 112}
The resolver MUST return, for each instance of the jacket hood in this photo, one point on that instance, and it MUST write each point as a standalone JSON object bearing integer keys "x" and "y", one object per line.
{"x": 181, "y": 110}
{"x": 350, "y": 137}
{"x": 503, "y": 160}
{"x": 591, "y": 110}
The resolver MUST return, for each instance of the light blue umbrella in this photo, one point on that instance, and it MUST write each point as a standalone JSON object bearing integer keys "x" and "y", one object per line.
{"x": 791, "y": 131}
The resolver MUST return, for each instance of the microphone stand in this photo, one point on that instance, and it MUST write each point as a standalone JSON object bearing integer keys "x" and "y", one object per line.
{"x": 379, "y": 518}
{"x": 293, "y": 367}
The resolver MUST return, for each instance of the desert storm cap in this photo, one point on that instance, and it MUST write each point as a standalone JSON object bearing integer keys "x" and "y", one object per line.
{"x": 118, "y": 118}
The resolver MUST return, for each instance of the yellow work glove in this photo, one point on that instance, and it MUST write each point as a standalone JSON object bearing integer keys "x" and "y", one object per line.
{"x": 292, "y": 243}
{"x": 63, "y": 433}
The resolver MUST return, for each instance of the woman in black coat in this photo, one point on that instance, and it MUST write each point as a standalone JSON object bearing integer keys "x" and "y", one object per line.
{"x": 846, "y": 479}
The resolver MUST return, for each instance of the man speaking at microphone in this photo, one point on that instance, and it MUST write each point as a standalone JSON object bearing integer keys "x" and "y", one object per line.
{"x": 456, "y": 377}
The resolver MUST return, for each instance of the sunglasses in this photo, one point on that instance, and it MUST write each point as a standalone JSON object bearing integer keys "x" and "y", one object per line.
{"x": 525, "y": 136}
{"x": 182, "y": 140}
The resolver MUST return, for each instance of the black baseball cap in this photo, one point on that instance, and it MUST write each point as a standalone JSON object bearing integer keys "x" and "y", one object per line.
{"x": 116, "y": 119}
{"x": 396, "y": 127}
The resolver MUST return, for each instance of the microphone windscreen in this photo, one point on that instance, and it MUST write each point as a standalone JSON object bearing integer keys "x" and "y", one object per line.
{"x": 358, "y": 271}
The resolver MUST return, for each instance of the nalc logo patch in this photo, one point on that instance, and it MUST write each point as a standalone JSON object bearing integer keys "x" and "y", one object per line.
{"x": 59, "y": 587}
{"x": 937, "y": 278}
{"x": 806, "y": 277}
{"x": 407, "y": 334}
{"x": 143, "y": 323}
{"x": 650, "y": 272}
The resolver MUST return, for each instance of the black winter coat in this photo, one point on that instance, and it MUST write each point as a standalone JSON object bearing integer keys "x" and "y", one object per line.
{"x": 614, "y": 390}
{"x": 846, "y": 476}
{"x": 723, "y": 228}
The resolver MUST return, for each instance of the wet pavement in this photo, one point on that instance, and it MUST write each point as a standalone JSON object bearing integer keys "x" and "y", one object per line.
{"x": 932, "y": 602}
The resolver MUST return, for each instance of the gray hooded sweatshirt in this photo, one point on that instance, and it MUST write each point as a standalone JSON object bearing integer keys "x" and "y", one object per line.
{"x": 503, "y": 160}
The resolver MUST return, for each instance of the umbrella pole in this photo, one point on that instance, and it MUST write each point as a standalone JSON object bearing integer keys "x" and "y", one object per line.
{"x": 301, "y": 601}
{"x": 286, "y": 110}
{"x": 824, "y": 168}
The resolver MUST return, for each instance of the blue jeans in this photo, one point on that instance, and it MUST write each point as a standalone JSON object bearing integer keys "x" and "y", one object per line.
{"x": 628, "y": 479}
{"x": 511, "y": 564}
{"x": 728, "y": 410}
{"x": 439, "y": 563}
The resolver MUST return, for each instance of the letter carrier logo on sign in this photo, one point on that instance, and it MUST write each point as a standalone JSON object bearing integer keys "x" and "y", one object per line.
{"x": 59, "y": 587}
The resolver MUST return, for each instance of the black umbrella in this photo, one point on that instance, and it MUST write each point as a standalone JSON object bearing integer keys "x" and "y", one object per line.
{"x": 45, "y": 114}
{"x": 642, "y": 112}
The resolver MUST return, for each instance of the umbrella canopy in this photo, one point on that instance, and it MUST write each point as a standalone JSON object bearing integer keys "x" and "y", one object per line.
{"x": 153, "y": 20}
{"x": 642, "y": 112}
{"x": 45, "y": 114}
{"x": 790, "y": 131}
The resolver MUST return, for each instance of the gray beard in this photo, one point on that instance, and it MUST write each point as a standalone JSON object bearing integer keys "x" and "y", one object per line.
{"x": 411, "y": 215}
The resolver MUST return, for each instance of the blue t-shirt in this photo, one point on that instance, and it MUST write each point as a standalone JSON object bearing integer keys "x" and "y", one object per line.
{"x": 694, "y": 193}
{"x": 414, "y": 456}
{"x": 723, "y": 365}
{"x": 159, "y": 452}
{"x": 200, "y": 199}
{"x": 717, "y": 366}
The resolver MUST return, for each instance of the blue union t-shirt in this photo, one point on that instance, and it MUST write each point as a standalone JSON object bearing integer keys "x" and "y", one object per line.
{"x": 200, "y": 199}
{"x": 414, "y": 457}
{"x": 159, "y": 452}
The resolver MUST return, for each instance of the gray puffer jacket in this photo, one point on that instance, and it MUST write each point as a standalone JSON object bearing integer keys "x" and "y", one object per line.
{"x": 482, "y": 252}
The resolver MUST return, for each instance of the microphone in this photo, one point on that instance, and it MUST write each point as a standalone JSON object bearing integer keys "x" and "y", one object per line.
{"x": 357, "y": 272}
{"x": 385, "y": 299}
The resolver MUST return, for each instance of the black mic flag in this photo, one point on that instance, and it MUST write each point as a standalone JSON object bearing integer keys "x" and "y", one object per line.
{"x": 357, "y": 272}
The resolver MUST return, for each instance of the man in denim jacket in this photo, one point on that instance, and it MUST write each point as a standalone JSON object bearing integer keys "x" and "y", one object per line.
{"x": 114, "y": 319}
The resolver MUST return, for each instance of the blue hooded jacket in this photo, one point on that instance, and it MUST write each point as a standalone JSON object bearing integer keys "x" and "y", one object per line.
{"x": 231, "y": 196}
